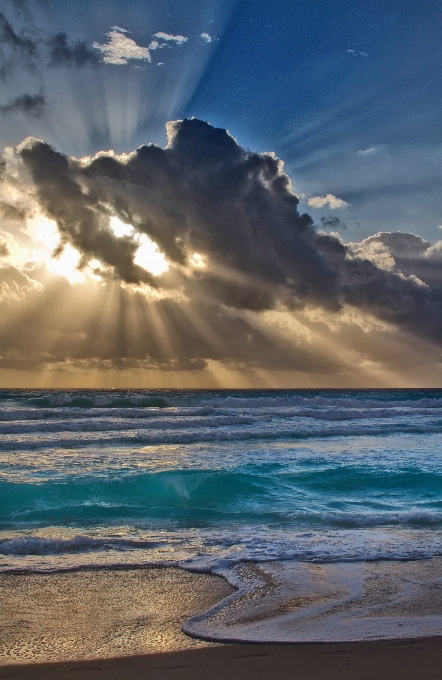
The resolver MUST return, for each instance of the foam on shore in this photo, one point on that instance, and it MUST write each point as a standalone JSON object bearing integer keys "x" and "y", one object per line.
{"x": 334, "y": 602}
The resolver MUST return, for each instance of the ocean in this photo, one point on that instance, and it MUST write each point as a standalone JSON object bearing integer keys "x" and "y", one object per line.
{"x": 220, "y": 481}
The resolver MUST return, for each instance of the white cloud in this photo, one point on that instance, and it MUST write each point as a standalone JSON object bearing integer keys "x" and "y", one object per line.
{"x": 179, "y": 39}
{"x": 206, "y": 37}
{"x": 357, "y": 54}
{"x": 365, "y": 152}
{"x": 333, "y": 202}
{"x": 375, "y": 251}
{"x": 154, "y": 45}
{"x": 120, "y": 49}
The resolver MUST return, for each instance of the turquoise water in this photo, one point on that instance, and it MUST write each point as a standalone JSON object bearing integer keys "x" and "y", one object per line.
{"x": 205, "y": 479}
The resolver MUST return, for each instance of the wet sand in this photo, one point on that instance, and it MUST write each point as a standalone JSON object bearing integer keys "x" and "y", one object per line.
{"x": 121, "y": 624}
{"x": 328, "y": 602}
{"x": 101, "y": 613}
{"x": 384, "y": 660}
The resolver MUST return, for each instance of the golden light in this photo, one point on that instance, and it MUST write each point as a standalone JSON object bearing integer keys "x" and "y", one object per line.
{"x": 46, "y": 239}
{"x": 44, "y": 234}
{"x": 43, "y": 231}
{"x": 197, "y": 261}
{"x": 120, "y": 228}
{"x": 149, "y": 257}
{"x": 66, "y": 265}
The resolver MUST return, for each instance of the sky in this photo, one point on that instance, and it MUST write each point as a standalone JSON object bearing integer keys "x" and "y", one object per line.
{"x": 234, "y": 193}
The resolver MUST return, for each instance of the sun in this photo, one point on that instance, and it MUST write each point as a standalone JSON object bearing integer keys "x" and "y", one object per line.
{"x": 44, "y": 234}
{"x": 148, "y": 255}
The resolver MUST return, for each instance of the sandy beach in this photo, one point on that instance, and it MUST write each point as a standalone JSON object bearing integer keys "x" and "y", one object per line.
{"x": 126, "y": 623}
{"x": 101, "y": 613}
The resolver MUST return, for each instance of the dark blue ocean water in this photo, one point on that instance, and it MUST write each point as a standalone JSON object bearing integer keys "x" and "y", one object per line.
{"x": 208, "y": 478}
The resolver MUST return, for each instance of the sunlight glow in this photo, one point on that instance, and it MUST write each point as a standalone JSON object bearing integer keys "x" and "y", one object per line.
{"x": 44, "y": 233}
{"x": 149, "y": 257}
{"x": 197, "y": 261}
{"x": 66, "y": 265}
{"x": 120, "y": 228}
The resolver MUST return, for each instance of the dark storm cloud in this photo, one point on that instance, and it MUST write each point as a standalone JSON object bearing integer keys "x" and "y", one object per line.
{"x": 206, "y": 194}
{"x": 79, "y": 217}
{"x": 29, "y": 104}
{"x": 62, "y": 52}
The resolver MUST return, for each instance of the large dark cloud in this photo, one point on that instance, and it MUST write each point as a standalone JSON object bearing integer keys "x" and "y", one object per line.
{"x": 204, "y": 193}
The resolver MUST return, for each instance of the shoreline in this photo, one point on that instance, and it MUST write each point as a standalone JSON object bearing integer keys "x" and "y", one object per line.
{"x": 127, "y": 621}
{"x": 334, "y": 602}
{"x": 383, "y": 659}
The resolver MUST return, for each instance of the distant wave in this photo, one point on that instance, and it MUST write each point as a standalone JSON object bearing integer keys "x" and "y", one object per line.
{"x": 111, "y": 425}
{"x": 237, "y": 399}
{"x": 348, "y": 400}
{"x": 87, "y": 436}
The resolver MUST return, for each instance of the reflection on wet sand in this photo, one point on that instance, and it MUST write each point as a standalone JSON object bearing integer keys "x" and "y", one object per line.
{"x": 101, "y": 613}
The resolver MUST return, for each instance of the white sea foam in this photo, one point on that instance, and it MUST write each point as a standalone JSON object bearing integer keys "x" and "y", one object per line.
{"x": 76, "y": 413}
{"x": 125, "y": 424}
{"x": 355, "y": 402}
{"x": 212, "y": 550}
{"x": 334, "y": 602}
